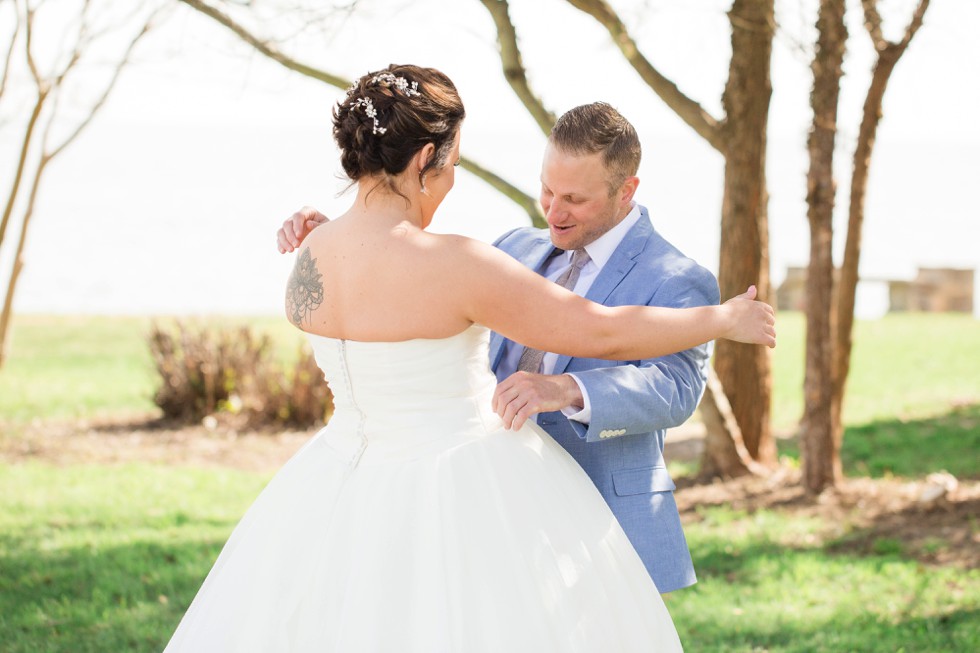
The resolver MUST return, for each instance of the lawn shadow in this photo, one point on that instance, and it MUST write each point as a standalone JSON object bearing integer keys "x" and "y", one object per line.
{"x": 843, "y": 629}
{"x": 941, "y": 534}
{"x": 909, "y": 448}
{"x": 862, "y": 516}
{"x": 95, "y": 599}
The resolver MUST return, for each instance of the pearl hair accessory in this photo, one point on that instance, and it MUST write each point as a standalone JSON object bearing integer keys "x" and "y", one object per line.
{"x": 387, "y": 80}
{"x": 370, "y": 111}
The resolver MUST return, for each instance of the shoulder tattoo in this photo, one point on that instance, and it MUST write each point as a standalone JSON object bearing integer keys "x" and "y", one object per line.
{"x": 304, "y": 292}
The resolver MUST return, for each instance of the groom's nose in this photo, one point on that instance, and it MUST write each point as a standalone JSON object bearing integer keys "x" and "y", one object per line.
{"x": 554, "y": 211}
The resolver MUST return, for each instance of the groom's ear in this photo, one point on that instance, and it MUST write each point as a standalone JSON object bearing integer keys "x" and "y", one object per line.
{"x": 628, "y": 189}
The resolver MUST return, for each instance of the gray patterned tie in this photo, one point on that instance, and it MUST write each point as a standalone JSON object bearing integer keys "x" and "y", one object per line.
{"x": 531, "y": 358}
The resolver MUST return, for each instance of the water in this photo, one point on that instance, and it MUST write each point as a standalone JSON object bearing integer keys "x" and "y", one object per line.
{"x": 182, "y": 219}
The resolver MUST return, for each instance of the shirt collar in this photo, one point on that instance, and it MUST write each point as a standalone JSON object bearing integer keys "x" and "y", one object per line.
{"x": 602, "y": 248}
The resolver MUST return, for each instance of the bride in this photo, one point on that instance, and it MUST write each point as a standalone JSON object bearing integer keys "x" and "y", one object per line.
{"x": 415, "y": 521}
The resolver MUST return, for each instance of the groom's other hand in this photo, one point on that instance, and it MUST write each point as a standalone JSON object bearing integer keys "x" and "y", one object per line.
{"x": 523, "y": 394}
{"x": 297, "y": 227}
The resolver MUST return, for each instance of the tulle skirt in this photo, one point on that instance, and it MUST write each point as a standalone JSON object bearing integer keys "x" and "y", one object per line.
{"x": 496, "y": 542}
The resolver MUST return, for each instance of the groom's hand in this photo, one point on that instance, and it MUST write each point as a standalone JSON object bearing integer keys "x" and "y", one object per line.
{"x": 523, "y": 394}
{"x": 297, "y": 227}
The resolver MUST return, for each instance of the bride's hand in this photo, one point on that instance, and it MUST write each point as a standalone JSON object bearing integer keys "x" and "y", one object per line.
{"x": 752, "y": 321}
{"x": 297, "y": 227}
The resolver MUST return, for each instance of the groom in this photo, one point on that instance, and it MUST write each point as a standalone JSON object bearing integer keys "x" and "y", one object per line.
{"x": 610, "y": 416}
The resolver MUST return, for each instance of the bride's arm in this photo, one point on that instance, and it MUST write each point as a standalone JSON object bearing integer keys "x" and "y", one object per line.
{"x": 498, "y": 292}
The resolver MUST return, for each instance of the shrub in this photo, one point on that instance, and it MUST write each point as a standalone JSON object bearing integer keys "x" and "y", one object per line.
{"x": 231, "y": 374}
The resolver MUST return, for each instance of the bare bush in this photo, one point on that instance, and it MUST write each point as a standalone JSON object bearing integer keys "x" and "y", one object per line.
{"x": 231, "y": 374}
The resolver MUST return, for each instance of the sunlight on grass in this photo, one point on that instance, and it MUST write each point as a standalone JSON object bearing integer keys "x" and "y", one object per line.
{"x": 912, "y": 448}
{"x": 905, "y": 365}
{"x": 96, "y": 559}
{"x": 91, "y": 367}
{"x": 765, "y": 585}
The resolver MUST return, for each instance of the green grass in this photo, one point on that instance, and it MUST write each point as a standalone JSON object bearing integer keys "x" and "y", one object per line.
{"x": 910, "y": 448}
{"x": 87, "y": 367}
{"x": 762, "y": 588}
{"x": 76, "y": 367}
{"x": 904, "y": 366}
{"x": 96, "y": 559}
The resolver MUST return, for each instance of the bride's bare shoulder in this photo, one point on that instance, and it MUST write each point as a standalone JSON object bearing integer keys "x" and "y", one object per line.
{"x": 462, "y": 248}
{"x": 324, "y": 235}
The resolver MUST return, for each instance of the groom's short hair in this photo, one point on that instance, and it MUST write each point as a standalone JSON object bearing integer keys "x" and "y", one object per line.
{"x": 598, "y": 127}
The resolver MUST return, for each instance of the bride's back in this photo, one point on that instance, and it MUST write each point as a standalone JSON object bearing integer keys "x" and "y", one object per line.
{"x": 375, "y": 279}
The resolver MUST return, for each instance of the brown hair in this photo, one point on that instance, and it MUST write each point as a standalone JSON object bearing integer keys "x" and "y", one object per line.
{"x": 598, "y": 127}
{"x": 402, "y": 124}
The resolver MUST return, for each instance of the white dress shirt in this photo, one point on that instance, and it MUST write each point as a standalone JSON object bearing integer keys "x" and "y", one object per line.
{"x": 599, "y": 251}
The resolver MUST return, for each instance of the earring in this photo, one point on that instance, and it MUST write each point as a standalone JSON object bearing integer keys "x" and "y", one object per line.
{"x": 422, "y": 183}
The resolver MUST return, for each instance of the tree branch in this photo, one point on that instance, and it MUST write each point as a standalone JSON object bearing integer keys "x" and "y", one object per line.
{"x": 686, "y": 109}
{"x": 525, "y": 201}
{"x": 514, "y": 71}
{"x": 42, "y": 96}
{"x": 519, "y": 197}
{"x": 914, "y": 24}
{"x": 267, "y": 48}
{"x": 28, "y": 33}
{"x": 10, "y": 52}
{"x": 872, "y": 22}
{"x": 105, "y": 93}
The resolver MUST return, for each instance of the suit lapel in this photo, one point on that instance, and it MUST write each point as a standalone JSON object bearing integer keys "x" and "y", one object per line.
{"x": 615, "y": 270}
{"x": 533, "y": 257}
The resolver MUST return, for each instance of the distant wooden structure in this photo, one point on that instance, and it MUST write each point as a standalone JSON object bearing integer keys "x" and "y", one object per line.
{"x": 932, "y": 290}
{"x": 791, "y": 293}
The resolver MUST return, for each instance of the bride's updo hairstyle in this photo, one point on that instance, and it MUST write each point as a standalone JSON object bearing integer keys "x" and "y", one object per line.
{"x": 389, "y": 115}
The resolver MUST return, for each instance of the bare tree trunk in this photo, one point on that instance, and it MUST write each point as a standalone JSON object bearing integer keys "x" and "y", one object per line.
{"x": 888, "y": 56}
{"x": 744, "y": 370}
{"x": 18, "y": 265}
{"x": 724, "y": 455}
{"x": 25, "y": 147}
{"x": 741, "y": 138}
{"x": 819, "y": 443}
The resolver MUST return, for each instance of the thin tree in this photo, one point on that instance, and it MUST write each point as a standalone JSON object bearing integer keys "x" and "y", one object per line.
{"x": 744, "y": 444}
{"x": 827, "y": 66}
{"x": 830, "y": 307}
{"x": 46, "y": 117}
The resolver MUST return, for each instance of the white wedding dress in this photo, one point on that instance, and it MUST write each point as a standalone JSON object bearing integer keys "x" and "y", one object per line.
{"x": 414, "y": 522}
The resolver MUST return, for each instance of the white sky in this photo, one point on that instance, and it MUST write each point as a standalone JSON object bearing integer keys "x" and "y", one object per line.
{"x": 169, "y": 203}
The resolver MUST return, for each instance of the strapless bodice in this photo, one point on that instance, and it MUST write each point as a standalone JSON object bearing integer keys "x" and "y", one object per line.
{"x": 399, "y": 396}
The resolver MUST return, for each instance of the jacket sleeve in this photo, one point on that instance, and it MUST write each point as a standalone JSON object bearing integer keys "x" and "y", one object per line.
{"x": 656, "y": 393}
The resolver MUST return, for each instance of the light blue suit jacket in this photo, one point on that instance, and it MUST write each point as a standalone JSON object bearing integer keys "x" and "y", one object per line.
{"x": 621, "y": 449}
